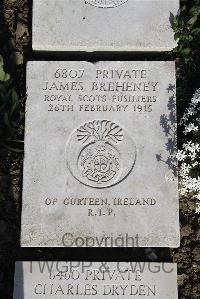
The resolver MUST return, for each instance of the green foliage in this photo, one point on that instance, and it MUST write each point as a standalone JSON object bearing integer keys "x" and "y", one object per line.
{"x": 2, "y": 196}
{"x": 11, "y": 118}
{"x": 187, "y": 31}
{"x": 187, "y": 54}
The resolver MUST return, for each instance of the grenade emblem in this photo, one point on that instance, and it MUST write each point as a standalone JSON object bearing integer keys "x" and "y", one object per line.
{"x": 98, "y": 158}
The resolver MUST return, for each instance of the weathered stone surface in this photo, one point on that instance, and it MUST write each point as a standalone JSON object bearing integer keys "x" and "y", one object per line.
{"x": 95, "y": 279}
{"x": 100, "y": 146}
{"x": 108, "y": 25}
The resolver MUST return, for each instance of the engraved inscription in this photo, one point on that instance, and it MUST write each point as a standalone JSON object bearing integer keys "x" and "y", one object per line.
{"x": 106, "y": 3}
{"x": 99, "y": 158}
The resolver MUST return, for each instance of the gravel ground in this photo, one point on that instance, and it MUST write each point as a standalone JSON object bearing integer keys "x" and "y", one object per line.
{"x": 15, "y": 46}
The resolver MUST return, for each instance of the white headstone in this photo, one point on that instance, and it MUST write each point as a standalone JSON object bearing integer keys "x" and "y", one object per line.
{"x": 95, "y": 279}
{"x": 100, "y": 146}
{"x": 103, "y": 25}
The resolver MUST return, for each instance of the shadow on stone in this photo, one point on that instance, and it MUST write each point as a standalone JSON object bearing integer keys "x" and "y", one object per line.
{"x": 19, "y": 281}
{"x": 168, "y": 124}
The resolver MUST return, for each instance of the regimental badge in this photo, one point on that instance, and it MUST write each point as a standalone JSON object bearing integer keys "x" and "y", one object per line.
{"x": 100, "y": 153}
{"x": 106, "y": 3}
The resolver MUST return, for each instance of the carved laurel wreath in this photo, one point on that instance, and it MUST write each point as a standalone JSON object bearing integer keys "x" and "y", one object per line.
{"x": 100, "y": 130}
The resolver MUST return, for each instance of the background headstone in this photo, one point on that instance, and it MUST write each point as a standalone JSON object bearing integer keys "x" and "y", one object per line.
{"x": 100, "y": 147}
{"x": 95, "y": 279}
{"x": 105, "y": 25}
